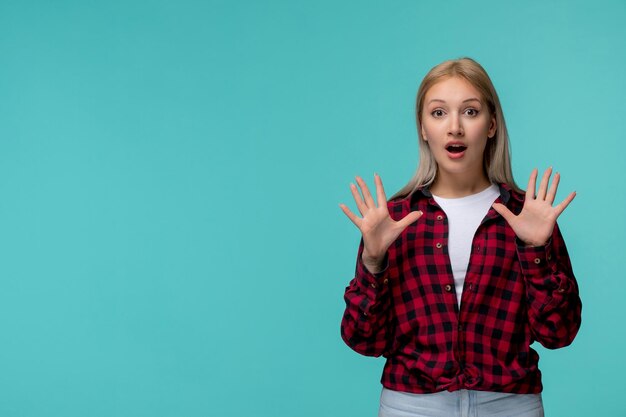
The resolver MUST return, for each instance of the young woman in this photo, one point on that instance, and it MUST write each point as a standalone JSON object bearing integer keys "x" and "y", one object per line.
{"x": 460, "y": 272}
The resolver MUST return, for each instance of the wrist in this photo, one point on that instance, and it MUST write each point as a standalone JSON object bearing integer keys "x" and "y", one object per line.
{"x": 533, "y": 244}
{"x": 373, "y": 268}
{"x": 372, "y": 259}
{"x": 527, "y": 243}
{"x": 374, "y": 264}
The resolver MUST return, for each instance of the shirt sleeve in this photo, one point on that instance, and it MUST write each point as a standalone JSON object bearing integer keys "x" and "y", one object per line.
{"x": 365, "y": 323}
{"x": 554, "y": 305}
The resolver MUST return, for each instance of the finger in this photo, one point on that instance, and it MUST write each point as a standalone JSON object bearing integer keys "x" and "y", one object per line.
{"x": 369, "y": 201}
{"x": 358, "y": 200}
{"x": 553, "y": 187}
{"x": 563, "y": 204}
{"x": 380, "y": 191}
{"x": 409, "y": 219}
{"x": 543, "y": 186}
{"x": 530, "y": 190}
{"x": 504, "y": 212}
{"x": 351, "y": 216}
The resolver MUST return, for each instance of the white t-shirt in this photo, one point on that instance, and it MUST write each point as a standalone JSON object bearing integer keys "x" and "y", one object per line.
{"x": 464, "y": 217}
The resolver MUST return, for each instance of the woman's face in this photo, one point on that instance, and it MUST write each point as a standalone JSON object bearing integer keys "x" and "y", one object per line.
{"x": 456, "y": 124}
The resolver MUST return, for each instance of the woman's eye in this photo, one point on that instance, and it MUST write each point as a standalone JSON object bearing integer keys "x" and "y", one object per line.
{"x": 437, "y": 113}
{"x": 471, "y": 112}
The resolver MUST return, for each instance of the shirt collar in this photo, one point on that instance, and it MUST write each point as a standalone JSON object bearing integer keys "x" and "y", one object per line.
{"x": 506, "y": 192}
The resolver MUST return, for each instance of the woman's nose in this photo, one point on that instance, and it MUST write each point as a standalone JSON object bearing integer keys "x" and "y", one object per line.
{"x": 455, "y": 128}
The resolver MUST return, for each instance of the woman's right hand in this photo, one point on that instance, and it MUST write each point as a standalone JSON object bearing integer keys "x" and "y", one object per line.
{"x": 379, "y": 230}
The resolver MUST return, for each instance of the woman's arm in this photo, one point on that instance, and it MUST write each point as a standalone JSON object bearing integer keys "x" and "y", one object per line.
{"x": 365, "y": 324}
{"x": 366, "y": 319}
{"x": 554, "y": 305}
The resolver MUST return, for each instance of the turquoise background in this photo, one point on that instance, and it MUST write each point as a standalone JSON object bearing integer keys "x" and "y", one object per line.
{"x": 170, "y": 173}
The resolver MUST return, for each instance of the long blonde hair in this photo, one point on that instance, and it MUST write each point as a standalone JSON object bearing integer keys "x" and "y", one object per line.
{"x": 497, "y": 157}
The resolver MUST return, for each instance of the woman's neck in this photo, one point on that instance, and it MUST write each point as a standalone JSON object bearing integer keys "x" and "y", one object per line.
{"x": 447, "y": 186}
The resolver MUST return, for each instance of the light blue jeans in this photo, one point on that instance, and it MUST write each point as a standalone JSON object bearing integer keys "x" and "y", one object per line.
{"x": 462, "y": 403}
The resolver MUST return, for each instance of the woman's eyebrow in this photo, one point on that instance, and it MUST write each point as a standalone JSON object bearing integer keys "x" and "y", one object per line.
{"x": 464, "y": 101}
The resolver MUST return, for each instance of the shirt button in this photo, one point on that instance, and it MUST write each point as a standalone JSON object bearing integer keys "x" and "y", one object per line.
{"x": 385, "y": 281}
{"x": 373, "y": 285}
{"x": 440, "y": 217}
{"x": 549, "y": 256}
{"x": 537, "y": 261}
{"x": 477, "y": 248}
{"x": 438, "y": 245}
{"x": 460, "y": 327}
{"x": 561, "y": 290}
{"x": 448, "y": 287}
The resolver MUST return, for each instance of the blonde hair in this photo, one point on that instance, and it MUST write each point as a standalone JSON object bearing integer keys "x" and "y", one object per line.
{"x": 497, "y": 156}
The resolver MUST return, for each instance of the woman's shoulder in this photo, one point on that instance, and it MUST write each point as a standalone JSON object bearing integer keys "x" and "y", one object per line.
{"x": 400, "y": 206}
{"x": 512, "y": 195}
{"x": 397, "y": 204}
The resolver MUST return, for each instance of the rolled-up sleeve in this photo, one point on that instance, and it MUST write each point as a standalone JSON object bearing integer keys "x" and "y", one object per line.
{"x": 365, "y": 323}
{"x": 554, "y": 305}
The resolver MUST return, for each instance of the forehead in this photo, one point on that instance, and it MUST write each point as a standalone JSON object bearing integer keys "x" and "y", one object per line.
{"x": 452, "y": 89}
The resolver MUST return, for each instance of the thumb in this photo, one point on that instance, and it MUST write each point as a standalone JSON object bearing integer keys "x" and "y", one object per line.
{"x": 504, "y": 212}
{"x": 409, "y": 219}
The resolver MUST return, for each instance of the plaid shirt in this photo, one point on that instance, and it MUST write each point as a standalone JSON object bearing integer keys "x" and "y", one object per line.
{"x": 512, "y": 296}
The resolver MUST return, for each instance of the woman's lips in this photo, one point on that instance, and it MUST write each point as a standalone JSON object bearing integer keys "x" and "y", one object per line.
{"x": 455, "y": 151}
{"x": 455, "y": 155}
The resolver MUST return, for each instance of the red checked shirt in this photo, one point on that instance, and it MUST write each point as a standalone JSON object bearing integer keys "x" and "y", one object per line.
{"x": 512, "y": 296}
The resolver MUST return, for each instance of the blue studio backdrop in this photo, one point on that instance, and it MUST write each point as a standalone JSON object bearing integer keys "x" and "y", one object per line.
{"x": 170, "y": 172}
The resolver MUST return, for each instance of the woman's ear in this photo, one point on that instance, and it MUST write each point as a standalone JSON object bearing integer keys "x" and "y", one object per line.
{"x": 492, "y": 127}
{"x": 423, "y": 134}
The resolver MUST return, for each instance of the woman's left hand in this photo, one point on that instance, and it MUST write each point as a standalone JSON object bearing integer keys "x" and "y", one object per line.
{"x": 536, "y": 221}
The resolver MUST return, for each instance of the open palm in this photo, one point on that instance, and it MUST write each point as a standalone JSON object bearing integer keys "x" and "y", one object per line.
{"x": 535, "y": 223}
{"x": 379, "y": 230}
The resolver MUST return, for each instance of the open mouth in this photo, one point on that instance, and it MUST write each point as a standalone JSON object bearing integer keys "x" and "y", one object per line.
{"x": 456, "y": 148}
